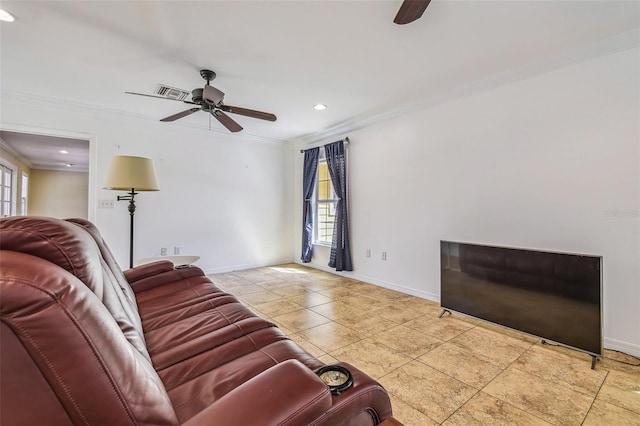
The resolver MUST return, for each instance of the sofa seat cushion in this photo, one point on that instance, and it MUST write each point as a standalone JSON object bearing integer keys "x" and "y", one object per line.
{"x": 178, "y": 288}
{"x": 177, "y": 313}
{"x": 185, "y": 294}
{"x": 196, "y": 334}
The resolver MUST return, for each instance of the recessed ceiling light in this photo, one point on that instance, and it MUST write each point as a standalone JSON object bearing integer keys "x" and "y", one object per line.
{"x": 63, "y": 151}
{"x": 6, "y": 16}
{"x": 319, "y": 107}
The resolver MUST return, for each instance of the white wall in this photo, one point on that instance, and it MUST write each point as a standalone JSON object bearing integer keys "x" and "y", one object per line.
{"x": 58, "y": 194}
{"x": 539, "y": 163}
{"x": 225, "y": 198}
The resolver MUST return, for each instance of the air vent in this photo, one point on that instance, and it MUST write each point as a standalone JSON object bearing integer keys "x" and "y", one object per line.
{"x": 171, "y": 92}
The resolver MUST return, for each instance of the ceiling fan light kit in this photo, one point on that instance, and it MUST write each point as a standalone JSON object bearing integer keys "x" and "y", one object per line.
{"x": 6, "y": 16}
{"x": 210, "y": 100}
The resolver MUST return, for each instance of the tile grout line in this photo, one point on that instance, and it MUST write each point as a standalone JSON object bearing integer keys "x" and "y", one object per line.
{"x": 507, "y": 402}
{"x": 595, "y": 398}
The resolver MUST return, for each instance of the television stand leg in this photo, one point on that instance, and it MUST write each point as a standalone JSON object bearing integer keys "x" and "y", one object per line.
{"x": 443, "y": 312}
{"x": 594, "y": 358}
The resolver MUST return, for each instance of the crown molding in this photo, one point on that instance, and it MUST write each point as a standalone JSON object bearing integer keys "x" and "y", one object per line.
{"x": 4, "y": 145}
{"x": 601, "y": 48}
{"x": 102, "y": 112}
{"x": 61, "y": 169}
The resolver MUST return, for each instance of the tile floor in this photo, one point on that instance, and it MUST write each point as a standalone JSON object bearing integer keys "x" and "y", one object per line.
{"x": 451, "y": 370}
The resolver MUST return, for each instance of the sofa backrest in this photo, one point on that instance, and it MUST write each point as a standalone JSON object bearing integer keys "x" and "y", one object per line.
{"x": 113, "y": 275}
{"x": 64, "y": 358}
{"x": 56, "y": 241}
{"x": 110, "y": 262}
{"x": 71, "y": 247}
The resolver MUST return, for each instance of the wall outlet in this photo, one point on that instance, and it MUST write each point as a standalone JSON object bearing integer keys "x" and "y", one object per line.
{"x": 368, "y": 252}
{"x": 384, "y": 255}
{"x": 163, "y": 251}
{"x": 176, "y": 250}
{"x": 106, "y": 204}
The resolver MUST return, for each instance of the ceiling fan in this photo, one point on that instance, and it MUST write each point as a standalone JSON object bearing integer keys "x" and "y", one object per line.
{"x": 210, "y": 100}
{"x": 410, "y": 11}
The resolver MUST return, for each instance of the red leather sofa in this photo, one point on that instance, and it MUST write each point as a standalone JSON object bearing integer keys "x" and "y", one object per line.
{"x": 81, "y": 342}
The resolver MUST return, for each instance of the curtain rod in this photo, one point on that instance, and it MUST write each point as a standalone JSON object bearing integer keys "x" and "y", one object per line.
{"x": 345, "y": 140}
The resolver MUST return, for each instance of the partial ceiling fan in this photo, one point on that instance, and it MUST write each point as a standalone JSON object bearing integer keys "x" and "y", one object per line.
{"x": 210, "y": 100}
{"x": 410, "y": 11}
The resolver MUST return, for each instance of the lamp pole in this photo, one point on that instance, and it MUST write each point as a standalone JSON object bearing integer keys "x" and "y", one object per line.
{"x": 132, "y": 210}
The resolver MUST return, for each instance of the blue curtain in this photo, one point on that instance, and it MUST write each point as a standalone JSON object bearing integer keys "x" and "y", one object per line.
{"x": 308, "y": 185}
{"x": 340, "y": 246}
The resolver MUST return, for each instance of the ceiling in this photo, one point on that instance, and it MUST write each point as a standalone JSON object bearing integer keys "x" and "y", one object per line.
{"x": 43, "y": 152}
{"x": 285, "y": 56}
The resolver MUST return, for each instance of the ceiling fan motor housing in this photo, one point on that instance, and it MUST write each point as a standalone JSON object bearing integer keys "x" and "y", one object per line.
{"x": 196, "y": 95}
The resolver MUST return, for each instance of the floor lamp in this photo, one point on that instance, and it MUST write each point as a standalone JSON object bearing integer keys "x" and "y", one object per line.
{"x": 131, "y": 174}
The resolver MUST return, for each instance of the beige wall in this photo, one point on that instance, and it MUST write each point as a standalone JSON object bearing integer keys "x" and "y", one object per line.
{"x": 7, "y": 157}
{"x": 58, "y": 194}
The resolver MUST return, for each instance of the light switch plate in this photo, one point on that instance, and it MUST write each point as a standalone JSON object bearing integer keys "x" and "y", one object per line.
{"x": 106, "y": 204}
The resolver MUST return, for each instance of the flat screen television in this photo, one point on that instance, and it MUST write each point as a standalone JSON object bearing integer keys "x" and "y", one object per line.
{"x": 554, "y": 296}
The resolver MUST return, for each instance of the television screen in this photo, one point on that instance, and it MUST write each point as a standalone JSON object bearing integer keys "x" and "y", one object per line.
{"x": 555, "y": 296}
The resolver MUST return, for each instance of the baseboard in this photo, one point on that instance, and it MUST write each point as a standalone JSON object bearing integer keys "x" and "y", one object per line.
{"x": 244, "y": 266}
{"x": 618, "y": 345}
{"x": 325, "y": 268}
{"x": 380, "y": 283}
{"x": 398, "y": 287}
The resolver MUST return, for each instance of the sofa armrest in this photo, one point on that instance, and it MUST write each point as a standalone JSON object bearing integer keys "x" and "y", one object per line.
{"x": 286, "y": 394}
{"x": 366, "y": 401}
{"x": 156, "y": 274}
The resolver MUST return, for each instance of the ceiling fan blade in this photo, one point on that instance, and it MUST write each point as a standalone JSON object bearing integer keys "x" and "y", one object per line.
{"x": 159, "y": 97}
{"x": 249, "y": 112}
{"x": 212, "y": 95}
{"x": 174, "y": 117}
{"x": 226, "y": 121}
{"x": 410, "y": 11}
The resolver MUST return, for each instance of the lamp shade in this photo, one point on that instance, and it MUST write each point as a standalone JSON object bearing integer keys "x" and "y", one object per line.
{"x": 126, "y": 173}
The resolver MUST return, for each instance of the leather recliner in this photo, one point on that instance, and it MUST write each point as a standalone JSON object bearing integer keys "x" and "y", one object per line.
{"x": 82, "y": 342}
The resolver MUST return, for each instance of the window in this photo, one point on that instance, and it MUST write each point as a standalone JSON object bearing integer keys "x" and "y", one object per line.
{"x": 25, "y": 192}
{"x": 326, "y": 201}
{"x": 7, "y": 205}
